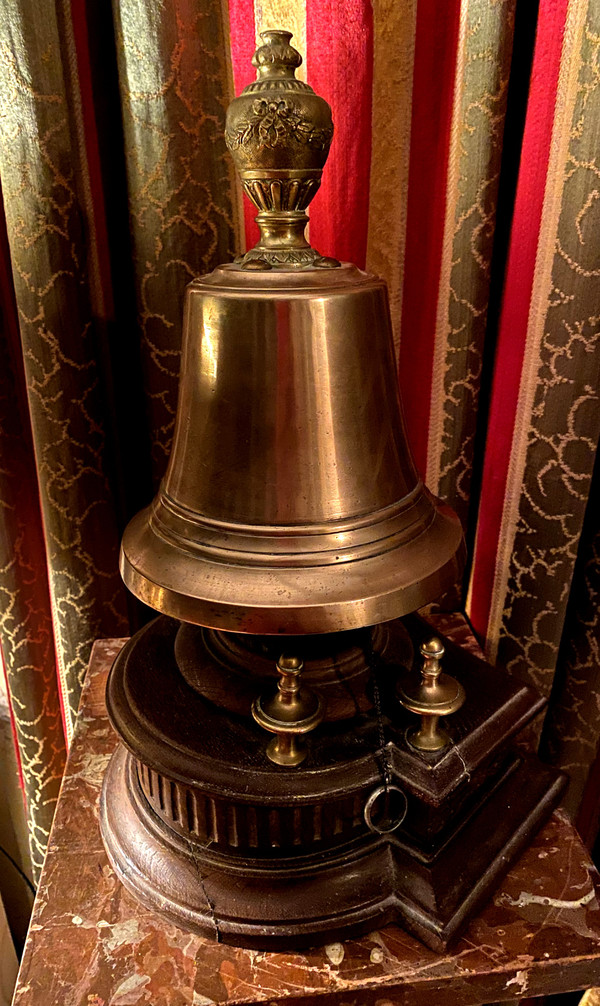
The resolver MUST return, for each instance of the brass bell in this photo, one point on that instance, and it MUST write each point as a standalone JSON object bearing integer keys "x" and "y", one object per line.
{"x": 291, "y": 503}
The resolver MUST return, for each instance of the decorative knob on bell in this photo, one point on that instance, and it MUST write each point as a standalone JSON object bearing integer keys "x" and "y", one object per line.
{"x": 279, "y": 132}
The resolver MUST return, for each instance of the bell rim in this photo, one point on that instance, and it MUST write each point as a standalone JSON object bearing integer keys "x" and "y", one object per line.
{"x": 288, "y": 601}
{"x": 323, "y": 543}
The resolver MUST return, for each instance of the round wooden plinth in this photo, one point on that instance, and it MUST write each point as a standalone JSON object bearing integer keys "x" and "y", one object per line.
{"x": 201, "y": 825}
{"x": 294, "y": 902}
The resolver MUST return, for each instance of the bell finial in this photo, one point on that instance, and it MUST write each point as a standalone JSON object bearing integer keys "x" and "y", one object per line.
{"x": 279, "y": 132}
{"x": 276, "y": 57}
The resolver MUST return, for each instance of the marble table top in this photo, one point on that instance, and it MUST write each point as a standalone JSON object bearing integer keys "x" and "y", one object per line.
{"x": 91, "y": 944}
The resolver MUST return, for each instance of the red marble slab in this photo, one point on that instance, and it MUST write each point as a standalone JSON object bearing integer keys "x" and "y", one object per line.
{"x": 90, "y": 944}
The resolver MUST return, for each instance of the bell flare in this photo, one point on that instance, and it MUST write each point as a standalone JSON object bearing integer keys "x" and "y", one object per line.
{"x": 290, "y": 591}
{"x": 291, "y": 502}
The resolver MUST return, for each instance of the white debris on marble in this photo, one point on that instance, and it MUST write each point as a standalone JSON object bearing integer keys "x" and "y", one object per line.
{"x": 525, "y": 898}
{"x": 335, "y": 953}
{"x": 521, "y": 980}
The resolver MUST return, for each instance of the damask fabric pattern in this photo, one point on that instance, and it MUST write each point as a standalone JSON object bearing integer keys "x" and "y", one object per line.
{"x": 27, "y": 642}
{"x": 555, "y": 425}
{"x": 480, "y": 93}
{"x": 65, "y": 399}
{"x": 572, "y": 727}
{"x": 565, "y": 414}
{"x": 185, "y": 206}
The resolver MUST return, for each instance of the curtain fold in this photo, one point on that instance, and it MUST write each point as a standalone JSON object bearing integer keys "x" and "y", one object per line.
{"x": 26, "y": 637}
{"x": 49, "y": 266}
{"x": 571, "y": 734}
{"x": 394, "y": 27}
{"x": 184, "y": 204}
{"x": 474, "y": 159}
{"x": 545, "y": 412}
{"x": 117, "y": 190}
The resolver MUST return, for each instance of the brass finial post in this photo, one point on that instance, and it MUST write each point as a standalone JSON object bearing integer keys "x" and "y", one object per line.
{"x": 279, "y": 131}
{"x": 293, "y": 711}
{"x": 436, "y": 695}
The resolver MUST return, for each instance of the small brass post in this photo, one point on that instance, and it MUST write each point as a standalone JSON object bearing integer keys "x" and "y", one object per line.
{"x": 436, "y": 695}
{"x": 294, "y": 710}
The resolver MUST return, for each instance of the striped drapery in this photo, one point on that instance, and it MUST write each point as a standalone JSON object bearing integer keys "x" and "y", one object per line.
{"x": 117, "y": 189}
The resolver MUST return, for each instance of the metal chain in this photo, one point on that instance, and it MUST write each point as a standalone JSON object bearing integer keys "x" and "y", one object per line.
{"x": 384, "y": 763}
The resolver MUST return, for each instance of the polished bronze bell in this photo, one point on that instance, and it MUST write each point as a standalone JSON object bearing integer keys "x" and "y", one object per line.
{"x": 291, "y": 503}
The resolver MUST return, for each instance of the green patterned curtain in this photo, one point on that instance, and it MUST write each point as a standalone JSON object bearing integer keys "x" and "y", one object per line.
{"x": 25, "y": 615}
{"x": 67, "y": 469}
{"x": 175, "y": 83}
{"x": 63, "y": 342}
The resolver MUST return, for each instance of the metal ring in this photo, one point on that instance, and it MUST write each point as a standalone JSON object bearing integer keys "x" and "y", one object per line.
{"x": 369, "y": 807}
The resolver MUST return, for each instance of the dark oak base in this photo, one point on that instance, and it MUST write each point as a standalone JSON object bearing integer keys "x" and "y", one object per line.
{"x": 201, "y": 825}
{"x": 305, "y": 901}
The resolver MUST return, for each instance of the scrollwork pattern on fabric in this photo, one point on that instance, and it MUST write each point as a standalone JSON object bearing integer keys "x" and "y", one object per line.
{"x": 564, "y": 425}
{"x": 485, "y": 71}
{"x": 572, "y": 725}
{"x": 65, "y": 394}
{"x": 184, "y": 202}
{"x": 26, "y": 637}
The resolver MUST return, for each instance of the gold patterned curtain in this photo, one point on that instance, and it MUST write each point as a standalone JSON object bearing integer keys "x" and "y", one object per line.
{"x": 108, "y": 121}
{"x": 464, "y": 170}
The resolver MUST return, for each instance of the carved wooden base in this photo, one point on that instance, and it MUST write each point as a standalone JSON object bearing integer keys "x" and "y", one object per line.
{"x": 201, "y": 825}
{"x": 303, "y": 901}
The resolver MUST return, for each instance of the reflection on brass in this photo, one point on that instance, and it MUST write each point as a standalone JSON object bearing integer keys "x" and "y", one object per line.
{"x": 231, "y": 669}
{"x": 291, "y": 503}
{"x": 279, "y": 132}
{"x": 436, "y": 695}
{"x": 294, "y": 710}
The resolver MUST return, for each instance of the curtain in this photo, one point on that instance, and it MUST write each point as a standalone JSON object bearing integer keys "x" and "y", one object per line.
{"x": 463, "y": 170}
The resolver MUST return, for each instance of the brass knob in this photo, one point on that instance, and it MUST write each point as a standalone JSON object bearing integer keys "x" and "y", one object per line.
{"x": 437, "y": 694}
{"x": 278, "y": 132}
{"x": 292, "y": 711}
